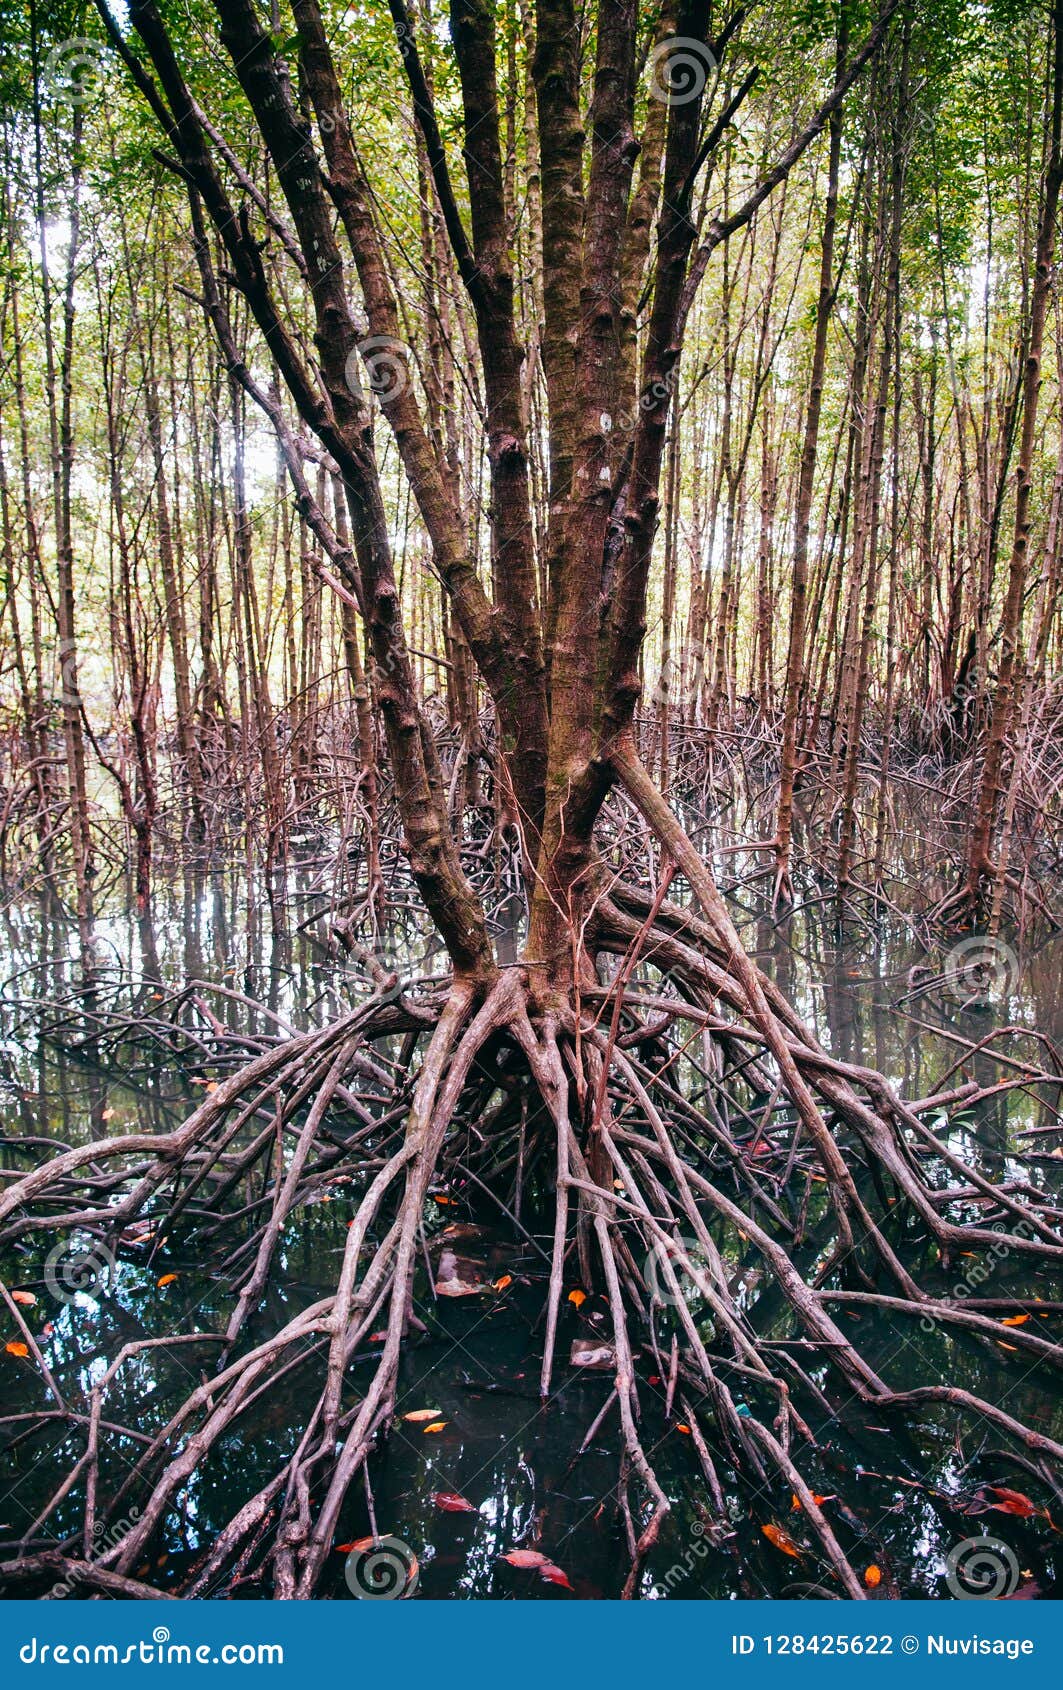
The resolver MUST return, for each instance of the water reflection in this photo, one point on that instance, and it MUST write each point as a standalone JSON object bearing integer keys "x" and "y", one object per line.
{"x": 519, "y": 1466}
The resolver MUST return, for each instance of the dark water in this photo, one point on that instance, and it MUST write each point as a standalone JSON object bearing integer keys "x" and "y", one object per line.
{"x": 896, "y": 1495}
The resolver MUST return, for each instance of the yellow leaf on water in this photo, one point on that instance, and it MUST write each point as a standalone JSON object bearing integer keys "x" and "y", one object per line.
{"x": 578, "y": 1298}
{"x": 506, "y": 1279}
{"x": 1015, "y": 1320}
{"x": 167, "y": 1279}
{"x": 436, "y": 1426}
{"x": 17, "y": 1349}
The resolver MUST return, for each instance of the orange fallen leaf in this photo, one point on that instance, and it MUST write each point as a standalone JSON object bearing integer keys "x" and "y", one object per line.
{"x": 436, "y": 1426}
{"x": 26, "y": 1298}
{"x": 17, "y": 1349}
{"x": 167, "y": 1279}
{"x": 1015, "y": 1320}
{"x": 578, "y": 1298}
{"x": 1014, "y": 1348}
{"x": 506, "y": 1279}
{"x": 452, "y": 1503}
{"x": 873, "y": 1577}
{"x": 782, "y": 1540}
{"x": 444, "y": 1202}
{"x": 417, "y": 1415}
{"x": 818, "y": 1500}
{"x": 682, "y": 1426}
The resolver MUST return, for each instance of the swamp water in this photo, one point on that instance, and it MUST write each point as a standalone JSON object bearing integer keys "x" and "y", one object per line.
{"x": 894, "y": 1493}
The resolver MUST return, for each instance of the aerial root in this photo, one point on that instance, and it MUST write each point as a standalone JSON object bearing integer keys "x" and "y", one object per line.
{"x": 647, "y": 1187}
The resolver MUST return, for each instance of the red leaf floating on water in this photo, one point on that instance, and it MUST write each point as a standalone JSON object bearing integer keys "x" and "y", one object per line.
{"x": 452, "y": 1503}
{"x": 526, "y": 1558}
{"x": 1012, "y": 1502}
{"x": 554, "y": 1575}
{"x": 534, "y": 1560}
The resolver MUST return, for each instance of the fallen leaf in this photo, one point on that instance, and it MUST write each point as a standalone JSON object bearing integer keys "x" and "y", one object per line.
{"x": 873, "y": 1577}
{"x": 1015, "y": 1320}
{"x": 452, "y": 1503}
{"x": 683, "y": 1427}
{"x": 17, "y": 1349}
{"x": 26, "y": 1298}
{"x": 654, "y": 1379}
{"x": 436, "y": 1426}
{"x": 1012, "y": 1502}
{"x": 47, "y": 1329}
{"x": 1012, "y": 1347}
{"x": 444, "y": 1202}
{"x": 167, "y": 1279}
{"x": 506, "y": 1279}
{"x": 554, "y": 1575}
{"x": 417, "y": 1415}
{"x": 212, "y": 1085}
{"x": 818, "y": 1500}
{"x": 108, "y": 1114}
{"x": 782, "y": 1540}
{"x": 578, "y": 1298}
{"x": 526, "y": 1558}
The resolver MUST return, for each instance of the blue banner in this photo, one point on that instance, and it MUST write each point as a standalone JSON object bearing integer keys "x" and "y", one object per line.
{"x": 541, "y": 1645}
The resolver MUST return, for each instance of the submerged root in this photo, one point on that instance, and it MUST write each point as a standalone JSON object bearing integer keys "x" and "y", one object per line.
{"x": 664, "y": 1120}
